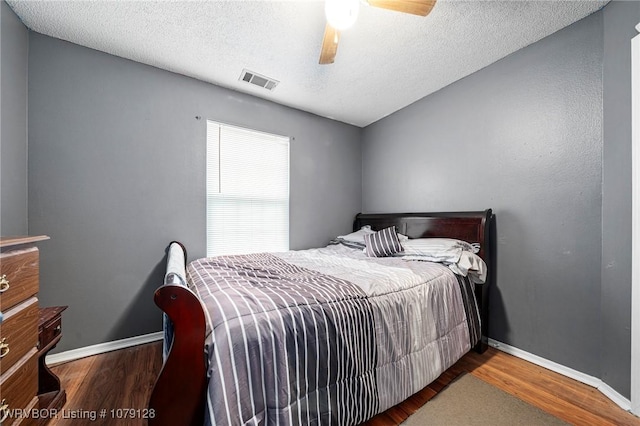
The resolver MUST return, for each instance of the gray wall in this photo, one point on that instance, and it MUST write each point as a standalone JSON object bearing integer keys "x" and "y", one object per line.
{"x": 14, "y": 50}
{"x": 524, "y": 137}
{"x": 117, "y": 171}
{"x": 620, "y": 19}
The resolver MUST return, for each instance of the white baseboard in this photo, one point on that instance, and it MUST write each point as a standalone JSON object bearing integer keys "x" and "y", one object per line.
{"x": 606, "y": 390}
{"x": 101, "y": 348}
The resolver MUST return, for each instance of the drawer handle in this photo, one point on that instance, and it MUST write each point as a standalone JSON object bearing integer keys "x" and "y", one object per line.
{"x": 4, "y": 283}
{"x": 4, "y": 350}
{"x": 4, "y": 410}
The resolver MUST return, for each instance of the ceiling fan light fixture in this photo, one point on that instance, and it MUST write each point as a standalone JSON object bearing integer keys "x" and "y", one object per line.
{"x": 341, "y": 14}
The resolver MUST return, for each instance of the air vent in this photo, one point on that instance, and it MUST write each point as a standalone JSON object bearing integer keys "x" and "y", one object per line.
{"x": 258, "y": 80}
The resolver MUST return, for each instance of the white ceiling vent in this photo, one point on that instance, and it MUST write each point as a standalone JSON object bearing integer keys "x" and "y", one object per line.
{"x": 258, "y": 80}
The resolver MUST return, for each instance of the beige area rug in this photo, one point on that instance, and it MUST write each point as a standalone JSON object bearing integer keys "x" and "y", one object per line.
{"x": 470, "y": 401}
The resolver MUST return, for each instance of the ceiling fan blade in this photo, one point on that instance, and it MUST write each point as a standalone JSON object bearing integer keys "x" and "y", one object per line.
{"x": 415, "y": 7}
{"x": 329, "y": 45}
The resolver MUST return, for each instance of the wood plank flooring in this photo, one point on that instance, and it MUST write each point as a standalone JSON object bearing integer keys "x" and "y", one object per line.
{"x": 116, "y": 380}
{"x": 124, "y": 379}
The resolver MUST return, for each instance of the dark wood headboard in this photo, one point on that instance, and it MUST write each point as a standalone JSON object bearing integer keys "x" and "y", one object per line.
{"x": 473, "y": 227}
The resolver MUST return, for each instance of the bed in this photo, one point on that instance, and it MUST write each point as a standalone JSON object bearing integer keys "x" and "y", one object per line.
{"x": 320, "y": 336}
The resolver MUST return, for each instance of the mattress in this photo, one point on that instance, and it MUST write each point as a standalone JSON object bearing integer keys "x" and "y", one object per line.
{"x": 326, "y": 336}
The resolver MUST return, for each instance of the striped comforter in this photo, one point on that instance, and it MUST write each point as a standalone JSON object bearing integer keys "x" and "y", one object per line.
{"x": 326, "y": 336}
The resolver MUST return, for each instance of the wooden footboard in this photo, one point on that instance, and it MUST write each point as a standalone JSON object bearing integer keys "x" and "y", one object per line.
{"x": 178, "y": 397}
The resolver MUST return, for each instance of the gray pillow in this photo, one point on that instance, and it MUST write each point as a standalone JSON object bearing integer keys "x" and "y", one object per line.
{"x": 382, "y": 243}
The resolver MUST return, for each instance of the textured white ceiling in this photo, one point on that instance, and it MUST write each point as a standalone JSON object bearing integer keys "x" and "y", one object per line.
{"x": 387, "y": 61}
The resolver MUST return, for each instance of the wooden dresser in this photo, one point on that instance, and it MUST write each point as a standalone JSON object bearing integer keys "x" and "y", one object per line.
{"x": 19, "y": 283}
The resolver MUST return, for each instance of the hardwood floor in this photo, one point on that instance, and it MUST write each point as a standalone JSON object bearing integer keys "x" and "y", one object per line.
{"x": 124, "y": 379}
{"x": 116, "y": 380}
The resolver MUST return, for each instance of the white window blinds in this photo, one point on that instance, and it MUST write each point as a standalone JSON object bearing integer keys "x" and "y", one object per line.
{"x": 247, "y": 191}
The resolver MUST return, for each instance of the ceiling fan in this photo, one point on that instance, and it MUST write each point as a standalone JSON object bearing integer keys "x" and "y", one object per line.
{"x": 341, "y": 14}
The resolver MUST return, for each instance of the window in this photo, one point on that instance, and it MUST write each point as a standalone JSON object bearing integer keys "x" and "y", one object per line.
{"x": 247, "y": 191}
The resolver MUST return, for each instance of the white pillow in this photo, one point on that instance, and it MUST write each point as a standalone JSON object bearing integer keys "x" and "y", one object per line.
{"x": 436, "y": 249}
{"x": 358, "y": 236}
{"x": 439, "y": 244}
{"x": 451, "y": 256}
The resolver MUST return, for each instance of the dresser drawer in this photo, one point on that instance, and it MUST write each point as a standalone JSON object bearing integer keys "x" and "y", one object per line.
{"x": 50, "y": 330}
{"x": 19, "y": 385}
{"x": 27, "y": 419}
{"x": 19, "y": 276}
{"x": 18, "y": 332}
